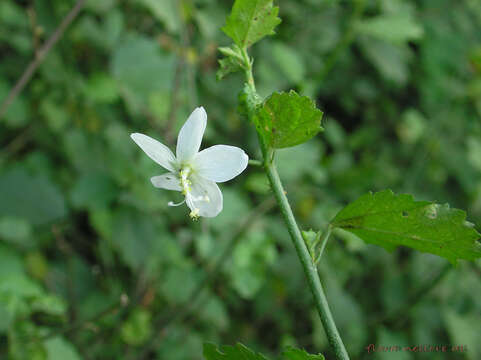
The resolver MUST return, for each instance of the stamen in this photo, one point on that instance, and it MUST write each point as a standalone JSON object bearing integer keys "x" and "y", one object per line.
{"x": 171, "y": 203}
{"x": 194, "y": 214}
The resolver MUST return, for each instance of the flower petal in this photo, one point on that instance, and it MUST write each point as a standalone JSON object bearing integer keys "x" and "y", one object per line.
{"x": 157, "y": 151}
{"x": 167, "y": 181}
{"x": 202, "y": 188}
{"x": 190, "y": 136}
{"x": 220, "y": 163}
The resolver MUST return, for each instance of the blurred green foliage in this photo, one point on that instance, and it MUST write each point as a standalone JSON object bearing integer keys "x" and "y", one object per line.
{"x": 82, "y": 230}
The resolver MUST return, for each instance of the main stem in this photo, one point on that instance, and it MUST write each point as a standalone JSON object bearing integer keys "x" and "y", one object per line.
{"x": 308, "y": 264}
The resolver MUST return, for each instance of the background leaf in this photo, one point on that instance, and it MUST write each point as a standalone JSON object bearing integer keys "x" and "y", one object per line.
{"x": 33, "y": 198}
{"x": 394, "y": 28}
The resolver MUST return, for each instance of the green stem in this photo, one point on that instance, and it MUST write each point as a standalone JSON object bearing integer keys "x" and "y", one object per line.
{"x": 324, "y": 238}
{"x": 307, "y": 262}
{"x": 310, "y": 268}
{"x": 253, "y": 162}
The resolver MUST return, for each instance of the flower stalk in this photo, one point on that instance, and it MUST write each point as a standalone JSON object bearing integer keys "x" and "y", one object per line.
{"x": 308, "y": 264}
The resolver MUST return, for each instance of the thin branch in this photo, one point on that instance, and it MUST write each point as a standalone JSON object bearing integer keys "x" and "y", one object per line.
{"x": 40, "y": 56}
{"x": 253, "y": 162}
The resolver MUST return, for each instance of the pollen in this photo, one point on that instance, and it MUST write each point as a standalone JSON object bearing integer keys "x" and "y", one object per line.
{"x": 194, "y": 214}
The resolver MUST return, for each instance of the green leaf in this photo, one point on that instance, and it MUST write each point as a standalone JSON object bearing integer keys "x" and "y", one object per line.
{"x": 141, "y": 68}
{"x": 134, "y": 236}
{"x": 393, "y": 28}
{"x": 32, "y": 198}
{"x": 138, "y": 327}
{"x": 241, "y": 352}
{"x": 237, "y": 352}
{"x": 15, "y": 230}
{"x": 390, "y": 220}
{"x": 227, "y": 65}
{"x": 289, "y": 61}
{"x": 250, "y": 21}
{"x": 298, "y": 354}
{"x": 288, "y": 119}
{"x": 231, "y": 63}
{"x": 166, "y": 11}
{"x": 60, "y": 349}
{"x": 93, "y": 191}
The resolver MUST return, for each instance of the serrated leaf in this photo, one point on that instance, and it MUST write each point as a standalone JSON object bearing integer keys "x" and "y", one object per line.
{"x": 227, "y": 65}
{"x": 390, "y": 220}
{"x": 241, "y": 352}
{"x": 231, "y": 63}
{"x": 288, "y": 119}
{"x": 236, "y": 352}
{"x": 250, "y": 21}
{"x": 299, "y": 354}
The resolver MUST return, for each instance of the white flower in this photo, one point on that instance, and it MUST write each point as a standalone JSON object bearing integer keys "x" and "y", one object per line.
{"x": 194, "y": 173}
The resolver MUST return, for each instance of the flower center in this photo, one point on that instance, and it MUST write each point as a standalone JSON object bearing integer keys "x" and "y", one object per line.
{"x": 185, "y": 184}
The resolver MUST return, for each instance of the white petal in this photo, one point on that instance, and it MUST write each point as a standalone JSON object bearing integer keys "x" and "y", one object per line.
{"x": 167, "y": 181}
{"x": 220, "y": 163}
{"x": 190, "y": 136}
{"x": 206, "y": 197}
{"x": 157, "y": 151}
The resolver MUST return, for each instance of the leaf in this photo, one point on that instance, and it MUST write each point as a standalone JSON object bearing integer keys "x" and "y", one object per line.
{"x": 288, "y": 119}
{"x": 392, "y": 61}
{"x": 289, "y": 61}
{"x": 134, "y": 236}
{"x": 464, "y": 330}
{"x": 15, "y": 230}
{"x": 165, "y": 11}
{"x": 241, "y": 352}
{"x": 237, "y": 352}
{"x": 231, "y": 63}
{"x": 227, "y": 65}
{"x": 250, "y": 21}
{"x": 393, "y": 28}
{"x": 138, "y": 327}
{"x": 60, "y": 349}
{"x": 141, "y": 68}
{"x": 298, "y": 354}
{"x": 33, "y": 198}
{"x": 390, "y": 220}
{"x": 93, "y": 191}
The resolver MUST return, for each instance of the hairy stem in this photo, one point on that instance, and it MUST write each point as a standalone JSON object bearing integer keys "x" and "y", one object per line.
{"x": 307, "y": 262}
